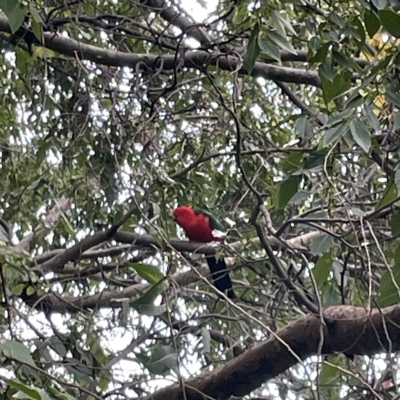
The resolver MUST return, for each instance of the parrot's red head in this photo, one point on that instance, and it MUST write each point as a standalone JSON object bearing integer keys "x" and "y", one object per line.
{"x": 196, "y": 225}
{"x": 182, "y": 213}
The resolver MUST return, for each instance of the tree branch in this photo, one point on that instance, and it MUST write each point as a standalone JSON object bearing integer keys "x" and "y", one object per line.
{"x": 197, "y": 59}
{"x": 353, "y": 332}
{"x": 53, "y": 302}
{"x": 87, "y": 243}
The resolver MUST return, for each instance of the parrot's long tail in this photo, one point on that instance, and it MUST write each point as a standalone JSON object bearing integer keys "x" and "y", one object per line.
{"x": 220, "y": 275}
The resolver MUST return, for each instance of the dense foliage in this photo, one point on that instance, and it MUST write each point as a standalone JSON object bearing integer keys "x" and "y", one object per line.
{"x": 280, "y": 118}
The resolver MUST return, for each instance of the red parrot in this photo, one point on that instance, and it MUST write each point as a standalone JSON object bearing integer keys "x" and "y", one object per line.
{"x": 202, "y": 227}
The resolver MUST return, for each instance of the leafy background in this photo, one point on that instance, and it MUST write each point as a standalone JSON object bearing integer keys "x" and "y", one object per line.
{"x": 281, "y": 118}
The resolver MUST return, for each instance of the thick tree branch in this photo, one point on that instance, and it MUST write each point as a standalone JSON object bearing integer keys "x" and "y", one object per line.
{"x": 191, "y": 59}
{"x": 137, "y": 241}
{"x": 56, "y": 259}
{"x": 299, "y": 103}
{"x": 87, "y": 243}
{"x": 53, "y": 302}
{"x": 353, "y": 332}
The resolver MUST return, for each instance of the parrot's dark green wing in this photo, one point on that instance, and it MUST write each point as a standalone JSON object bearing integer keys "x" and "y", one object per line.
{"x": 215, "y": 224}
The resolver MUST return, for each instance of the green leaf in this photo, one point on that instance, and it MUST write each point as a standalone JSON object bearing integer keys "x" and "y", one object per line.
{"x": 339, "y": 118}
{"x": 152, "y": 293}
{"x": 360, "y": 134}
{"x": 338, "y": 20}
{"x": 292, "y": 162}
{"x": 148, "y": 272}
{"x": 145, "y": 303}
{"x": 270, "y": 49}
{"x": 372, "y": 118}
{"x": 161, "y": 361}
{"x": 37, "y": 22}
{"x": 358, "y": 32}
{"x": 253, "y": 50}
{"x": 66, "y": 396}
{"x": 31, "y": 391}
{"x": 30, "y": 290}
{"x": 332, "y": 89}
{"x": 299, "y": 197}
{"x": 327, "y": 72}
{"x": 79, "y": 370}
{"x": 35, "y": 15}
{"x": 348, "y": 137}
{"x": 44, "y": 145}
{"x": 285, "y": 22}
{"x": 15, "y": 12}
{"x": 390, "y": 21}
{"x": 328, "y": 375}
{"x": 372, "y": 23}
{"x": 37, "y": 30}
{"x": 314, "y": 44}
{"x": 143, "y": 358}
{"x": 321, "y": 244}
{"x": 395, "y": 224}
{"x": 304, "y": 127}
{"x": 390, "y": 193}
{"x": 342, "y": 60}
{"x": 18, "y": 289}
{"x": 276, "y": 25}
{"x": 96, "y": 349}
{"x": 330, "y": 36}
{"x": 22, "y": 60}
{"x": 150, "y": 310}
{"x": 321, "y": 54}
{"x": 281, "y": 42}
{"x": 322, "y": 269}
{"x": 392, "y": 97}
{"x": 16, "y": 351}
{"x": 58, "y": 346}
{"x": 333, "y": 134}
{"x": 388, "y": 294}
{"x": 315, "y": 159}
{"x": 331, "y": 297}
{"x": 287, "y": 189}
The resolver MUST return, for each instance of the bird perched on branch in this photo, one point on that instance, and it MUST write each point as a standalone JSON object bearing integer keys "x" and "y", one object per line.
{"x": 201, "y": 226}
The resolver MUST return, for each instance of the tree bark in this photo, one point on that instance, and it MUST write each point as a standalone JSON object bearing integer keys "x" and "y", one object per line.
{"x": 346, "y": 329}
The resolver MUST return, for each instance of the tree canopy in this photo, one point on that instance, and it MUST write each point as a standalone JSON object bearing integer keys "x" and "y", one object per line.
{"x": 281, "y": 118}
